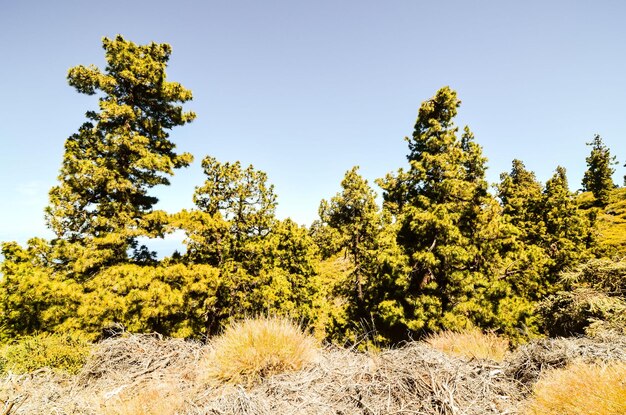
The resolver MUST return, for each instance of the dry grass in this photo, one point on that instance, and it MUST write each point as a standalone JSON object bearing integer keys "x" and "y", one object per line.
{"x": 160, "y": 399}
{"x": 412, "y": 380}
{"x": 610, "y": 225}
{"x": 581, "y": 389}
{"x": 529, "y": 361}
{"x": 251, "y": 350}
{"x": 144, "y": 375}
{"x": 130, "y": 375}
{"x": 471, "y": 343}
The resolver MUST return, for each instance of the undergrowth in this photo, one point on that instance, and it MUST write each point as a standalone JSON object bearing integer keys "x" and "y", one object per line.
{"x": 59, "y": 352}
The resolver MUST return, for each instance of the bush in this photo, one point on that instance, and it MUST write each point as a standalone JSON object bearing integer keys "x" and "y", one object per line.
{"x": 251, "y": 350}
{"x": 65, "y": 353}
{"x": 581, "y": 389}
{"x": 582, "y": 311}
{"x": 603, "y": 274}
{"x": 472, "y": 343}
{"x": 594, "y": 303}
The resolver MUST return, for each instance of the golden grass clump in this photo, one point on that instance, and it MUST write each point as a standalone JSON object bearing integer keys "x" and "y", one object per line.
{"x": 471, "y": 343}
{"x": 581, "y": 389}
{"x": 253, "y": 349}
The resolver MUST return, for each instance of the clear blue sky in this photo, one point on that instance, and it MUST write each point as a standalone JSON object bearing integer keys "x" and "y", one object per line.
{"x": 305, "y": 90}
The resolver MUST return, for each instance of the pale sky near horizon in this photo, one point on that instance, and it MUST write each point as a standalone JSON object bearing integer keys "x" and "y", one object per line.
{"x": 306, "y": 90}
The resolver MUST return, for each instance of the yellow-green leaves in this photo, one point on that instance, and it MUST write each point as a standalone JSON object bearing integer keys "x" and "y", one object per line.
{"x": 439, "y": 204}
{"x": 115, "y": 159}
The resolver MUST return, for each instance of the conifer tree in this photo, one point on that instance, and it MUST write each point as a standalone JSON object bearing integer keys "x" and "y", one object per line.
{"x": 354, "y": 215}
{"x": 545, "y": 234}
{"x": 520, "y": 195}
{"x": 265, "y": 265}
{"x": 567, "y": 229}
{"x": 121, "y": 152}
{"x": 235, "y": 206}
{"x": 522, "y": 277}
{"x": 439, "y": 204}
{"x": 598, "y": 178}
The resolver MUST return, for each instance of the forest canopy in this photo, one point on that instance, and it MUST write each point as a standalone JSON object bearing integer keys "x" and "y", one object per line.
{"x": 444, "y": 251}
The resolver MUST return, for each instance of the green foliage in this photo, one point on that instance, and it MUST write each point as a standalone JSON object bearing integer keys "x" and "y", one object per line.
{"x": 355, "y": 219}
{"x": 265, "y": 265}
{"x": 567, "y": 229}
{"x": 241, "y": 196}
{"x": 583, "y": 311}
{"x": 545, "y": 234}
{"x": 442, "y": 253}
{"x": 236, "y": 208}
{"x": 439, "y": 204}
{"x": 520, "y": 195}
{"x": 277, "y": 278}
{"x": 598, "y": 178}
{"x": 525, "y": 259}
{"x": 332, "y": 321}
{"x": 59, "y": 352}
{"x": 119, "y": 154}
{"x": 177, "y": 300}
{"x": 33, "y": 297}
{"x": 594, "y": 302}
{"x": 606, "y": 275}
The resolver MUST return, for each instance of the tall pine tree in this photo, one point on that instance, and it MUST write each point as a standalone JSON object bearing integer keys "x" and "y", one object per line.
{"x": 122, "y": 151}
{"x": 567, "y": 229}
{"x": 440, "y": 205}
{"x": 354, "y": 215}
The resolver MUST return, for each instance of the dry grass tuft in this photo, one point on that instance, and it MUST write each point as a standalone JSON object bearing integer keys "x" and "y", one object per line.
{"x": 471, "y": 343}
{"x": 581, "y": 389}
{"x": 254, "y": 349}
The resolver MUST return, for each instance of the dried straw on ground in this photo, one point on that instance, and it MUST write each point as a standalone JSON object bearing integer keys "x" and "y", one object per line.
{"x": 143, "y": 374}
{"x": 530, "y": 360}
{"x": 117, "y": 370}
{"x": 413, "y": 380}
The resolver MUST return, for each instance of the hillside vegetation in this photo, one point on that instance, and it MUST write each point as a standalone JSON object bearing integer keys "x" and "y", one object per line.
{"x": 610, "y": 222}
{"x": 444, "y": 253}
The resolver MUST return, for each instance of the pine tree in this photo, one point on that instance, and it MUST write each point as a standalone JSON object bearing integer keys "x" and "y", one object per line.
{"x": 520, "y": 194}
{"x": 544, "y": 234}
{"x": 440, "y": 205}
{"x": 567, "y": 229}
{"x": 102, "y": 201}
{"x": 235, "y": 206}
{"x": 598, "y": 178}
{"x": 354, "y": 215}
{"x": 265, "y": 265}
{"x": 524, "y": 278}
